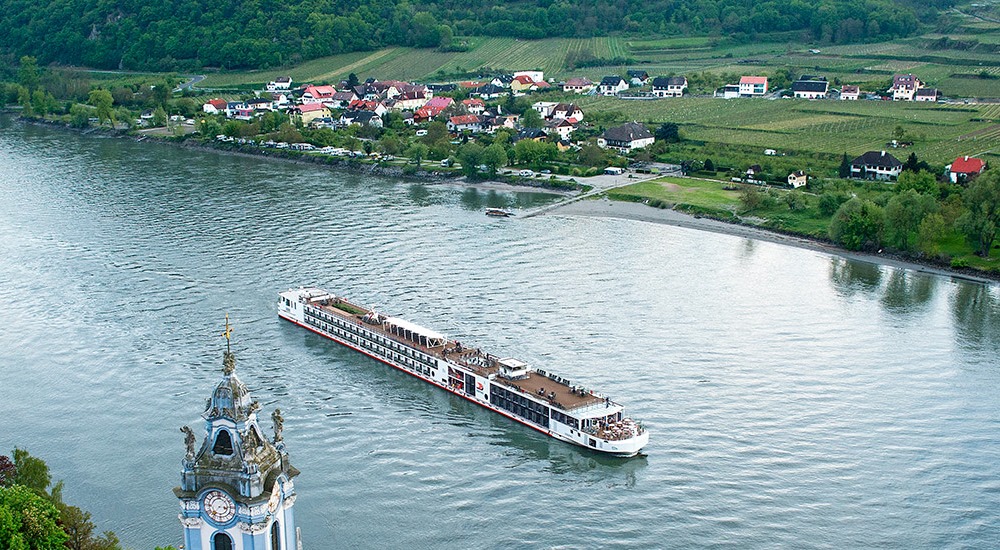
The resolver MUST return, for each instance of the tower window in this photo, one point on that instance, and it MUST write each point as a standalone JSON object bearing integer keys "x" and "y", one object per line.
{"x": 221, "y": 541}
{"x": 223, "y": 443}
{"x": 275, "y": 537}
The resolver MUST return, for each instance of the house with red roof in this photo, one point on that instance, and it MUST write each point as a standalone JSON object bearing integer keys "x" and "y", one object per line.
{"x": 214, "y": 106}
{"x": 311, "y": 111}
{"x": 318, "y": 94}
{"x": 965, "y": 168}
{"x": 465, "y": 123}
{"x": 475, "y": 105}
{"x": 753, "y": 86}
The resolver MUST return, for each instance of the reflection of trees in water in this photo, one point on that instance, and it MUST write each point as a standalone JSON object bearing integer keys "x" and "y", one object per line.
{"x": 850, "y": 277}
{"x": 977, "y": 316}
{"x": 748, "y": 248}
{"x": 420, "y": 195}
{"x": 898, "y": 290}
{"x": 474, "y": 199}
{"x": 905, "y": 290}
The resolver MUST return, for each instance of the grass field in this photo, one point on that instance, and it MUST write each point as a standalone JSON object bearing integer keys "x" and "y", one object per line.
{"x": 707, "y": 194}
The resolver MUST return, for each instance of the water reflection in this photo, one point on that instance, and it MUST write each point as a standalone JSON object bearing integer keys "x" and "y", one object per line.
{"x": 850, "y": 276}
{"x": 906, "y": 290}
{"x": 476, "y": 199}
{"x": 420, "y": 195}
{"x": 976, "y": 309}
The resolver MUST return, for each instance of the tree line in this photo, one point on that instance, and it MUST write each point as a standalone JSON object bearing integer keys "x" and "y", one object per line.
{"x": 236, "y": 34}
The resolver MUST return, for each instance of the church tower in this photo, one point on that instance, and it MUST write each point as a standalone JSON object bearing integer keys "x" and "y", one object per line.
{"x": 236, "y": 490}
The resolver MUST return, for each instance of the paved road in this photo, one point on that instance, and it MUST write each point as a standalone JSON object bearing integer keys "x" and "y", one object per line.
{"x": 189, "y": 84}
{"x": 603, "y": 183}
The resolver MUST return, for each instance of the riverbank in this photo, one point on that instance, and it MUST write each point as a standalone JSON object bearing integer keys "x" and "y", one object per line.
{"x": 605, "y": 208}
{"x": 301, "y": 157}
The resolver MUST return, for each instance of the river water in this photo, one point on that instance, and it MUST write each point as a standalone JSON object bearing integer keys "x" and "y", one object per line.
{"x": 794, "y": 398}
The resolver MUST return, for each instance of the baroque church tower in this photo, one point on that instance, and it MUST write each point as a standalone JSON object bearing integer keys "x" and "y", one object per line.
{"x": 236, "y": 490}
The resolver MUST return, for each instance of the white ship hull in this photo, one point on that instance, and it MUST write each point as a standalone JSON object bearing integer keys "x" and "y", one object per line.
{"x": 583, "y": 419}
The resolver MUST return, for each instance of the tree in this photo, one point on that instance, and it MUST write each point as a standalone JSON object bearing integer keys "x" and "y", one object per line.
{"x": 796, "y": 200}
{"x": 669, "y": 132}
{"x": 470, "y": 155}
{"x": 845, "y": 167}
{"x": 31, "y": 472}
{"x": 28, "y": 74}
{"x": 80, "y": 530}
{"x": 159, "y": 116}
{"x": 436, "y": 131}
{"x": 102, "y": 101}
{"x": 858, "y": 224}
{"x": 981, "y": 219}
{"x": 532, "y": 152}
{"x": 709, "y": 165}
{"x": 930, "y": 233}
{"x": 352, "y": 80}
{"x": 416, "y": 152}
{"x": 7, "y": 471}
{"x": 494, "y": 157}
{"x": 531, "y": 119}
{"x": 903, "y": 215}
{"x": 79, "y": 116}
{"x": 592, "y": 155}
{"x": 28, "y": 521}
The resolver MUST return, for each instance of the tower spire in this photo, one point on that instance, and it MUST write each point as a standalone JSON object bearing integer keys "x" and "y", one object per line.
{"x": 228, "y": 360}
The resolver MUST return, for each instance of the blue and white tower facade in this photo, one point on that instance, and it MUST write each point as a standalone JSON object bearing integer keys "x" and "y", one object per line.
{"x": 236, "y": 490}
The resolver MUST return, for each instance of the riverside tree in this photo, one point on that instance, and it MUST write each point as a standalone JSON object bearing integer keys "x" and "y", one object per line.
{"x": 102, "y": 102}
{"x": 903, "y": 215}
{"x": 981, "y": 219}
{"x": 858, "y": 225}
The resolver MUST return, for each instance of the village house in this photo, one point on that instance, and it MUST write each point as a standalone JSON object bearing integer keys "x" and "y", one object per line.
{"x": 214, "y": 106}
{"x": 502, "y": 81}
{"x": 361, "y": 118}
{"x": 432, "y": 108}
{"x": 280, "y": 84}
{"x": 927, "y": 94}
{"x": 317, "y": 94}
{"x": 493, "y": 122}
{"x": 522, "y": 84}
{"x": 612, "y": 85}
{"x": 578, "y": 85}
{"x": 669, "y": 86}
{"x": 876, "y": 165}
{"x": 489, "y": 91}
{"x": 409, "y": 101}
{"x": 729, "y": 91}
{"x": 568, "y": 111}
{"x": 534, "y": 134}
{"x": 637, "y": 77}
{"x": 560, "y": 126}
{"x": 810, "y": 87}
{"x": 475, "y": 106}
{"x": 364, "y": 105}
{"x": 797, "y": 179}
{"x": 544, "y": 108}
{"x": 753, "y": 86}
{"x": 850, "y": 93}
{"x": 965, "y": 168}
{"x": 465, "y": 123}
{"x": 308, "y": 112}
{"x": 535, "y": 76}
{"x": 261, "y": 105}
{"x": 341, "y": 100}
{"x": 627, "y": 137}
{"x": 904, "y": 87}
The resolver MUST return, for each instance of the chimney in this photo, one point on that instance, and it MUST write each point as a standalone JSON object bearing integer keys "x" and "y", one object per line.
{"x": 883, "y": 153}
{"x": 966, "y": 158}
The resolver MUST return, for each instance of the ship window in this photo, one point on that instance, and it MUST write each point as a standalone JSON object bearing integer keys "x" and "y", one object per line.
{"x": 223, "y": 443}
{"x": 221, "y": 541}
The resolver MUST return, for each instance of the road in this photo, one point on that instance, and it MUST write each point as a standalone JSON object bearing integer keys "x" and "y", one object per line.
{"x": 189, "y": 84}
{"x": 604, "y": 183}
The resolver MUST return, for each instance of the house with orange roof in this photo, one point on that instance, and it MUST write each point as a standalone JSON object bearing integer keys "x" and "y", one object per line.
{"x": 753, "y": 86}
{"x": 965, "y": 168}
{"x": 317, "y": 94}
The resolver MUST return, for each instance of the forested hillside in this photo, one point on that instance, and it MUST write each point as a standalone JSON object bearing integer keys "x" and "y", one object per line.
{"x": 184, "y": 34}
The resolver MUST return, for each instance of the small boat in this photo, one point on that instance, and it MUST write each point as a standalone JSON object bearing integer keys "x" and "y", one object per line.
{"x": 499, "y": 213}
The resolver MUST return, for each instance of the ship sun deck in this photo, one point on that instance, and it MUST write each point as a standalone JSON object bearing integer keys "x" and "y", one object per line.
{"x": 555, "y": 392}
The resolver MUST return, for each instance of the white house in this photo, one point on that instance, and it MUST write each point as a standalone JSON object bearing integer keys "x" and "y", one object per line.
{"x": 876, "y": 165}
{"x": 612, "y": 85}
{"x": 535, "y": 76}
{"x": 904, "y": 87}
{"x": 280, "y": 84}
{"x": 627, "y": 137}
{"x": 753, "y": 86}
{"x": 578, "y": 85}
{"x": 672, "y": 86}
{"x": 850, "y": 93}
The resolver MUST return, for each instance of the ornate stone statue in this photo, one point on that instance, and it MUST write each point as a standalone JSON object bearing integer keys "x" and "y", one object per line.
{"x": 279, "y": 424}
{"x": 228, "y": 363}
{"x": 189, "y": 441}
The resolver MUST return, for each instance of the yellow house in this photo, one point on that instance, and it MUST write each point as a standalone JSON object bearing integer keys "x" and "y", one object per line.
{"x": 312, "y": 111}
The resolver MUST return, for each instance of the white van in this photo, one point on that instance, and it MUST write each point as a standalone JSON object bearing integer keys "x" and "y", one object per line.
{"x": 526, "y": 173}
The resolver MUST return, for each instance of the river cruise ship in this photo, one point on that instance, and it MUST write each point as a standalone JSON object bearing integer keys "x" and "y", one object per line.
{"x": 535, "y": 398}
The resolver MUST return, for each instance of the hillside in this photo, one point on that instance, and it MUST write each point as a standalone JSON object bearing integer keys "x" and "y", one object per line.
{"x": 237, "y": 34}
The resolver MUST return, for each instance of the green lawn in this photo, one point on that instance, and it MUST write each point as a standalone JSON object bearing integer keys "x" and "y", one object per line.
{"x": 706, "y": 194}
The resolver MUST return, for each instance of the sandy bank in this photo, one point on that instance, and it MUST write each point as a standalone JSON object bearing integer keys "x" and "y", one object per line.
{"x": 604, "y": 208}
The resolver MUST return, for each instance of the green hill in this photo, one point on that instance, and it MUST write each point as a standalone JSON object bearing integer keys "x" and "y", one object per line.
{"x": 252, "y": 34}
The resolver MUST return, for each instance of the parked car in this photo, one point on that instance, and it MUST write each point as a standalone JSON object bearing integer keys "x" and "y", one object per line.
{"x": 526, "y": 173}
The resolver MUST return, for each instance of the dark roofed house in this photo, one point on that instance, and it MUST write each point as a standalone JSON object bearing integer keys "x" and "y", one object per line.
{"x": 927, "y": 94}
{"x": 612, "y": 85}
{"x": 810, "y": 87}
{"x": 638, "y": 77}
{"x": 361, "y": 118}
{"x": 625, "y": 138}
{"x": 489, "y": 91}
{"x": 850, "y": 93}
{"x": 534, "y": 134}
{"x": 876, "y": 165}
{"x": 669, "y": 86}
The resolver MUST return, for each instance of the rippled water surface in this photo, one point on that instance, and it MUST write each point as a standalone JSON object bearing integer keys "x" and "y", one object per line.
{"x": 794, "y": 399}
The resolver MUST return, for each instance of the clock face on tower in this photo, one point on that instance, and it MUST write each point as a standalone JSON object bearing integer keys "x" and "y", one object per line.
{"x": 219, "y": 506}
